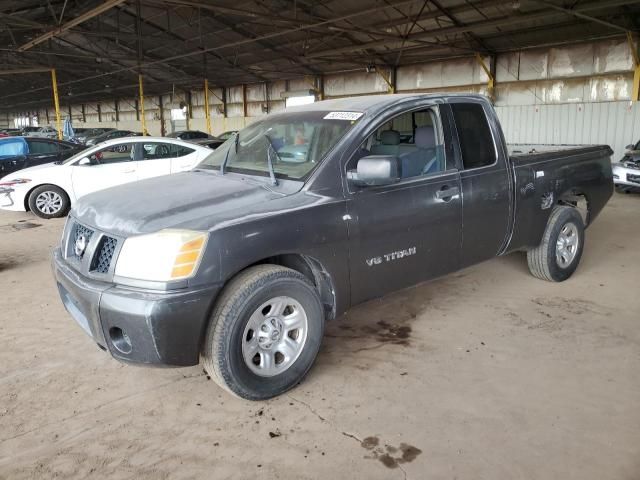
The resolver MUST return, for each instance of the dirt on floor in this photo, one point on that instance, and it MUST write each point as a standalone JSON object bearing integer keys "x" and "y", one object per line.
{"x": 488, "y": 373}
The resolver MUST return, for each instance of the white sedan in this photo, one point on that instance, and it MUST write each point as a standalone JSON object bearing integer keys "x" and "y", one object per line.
{"x": 50, "y": 190}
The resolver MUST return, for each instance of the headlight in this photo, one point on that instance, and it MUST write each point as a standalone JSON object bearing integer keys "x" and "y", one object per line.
{"x": 163, "y": 256}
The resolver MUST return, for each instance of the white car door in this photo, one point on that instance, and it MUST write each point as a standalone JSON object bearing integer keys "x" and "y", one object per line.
{"x": 154, "y": 159}
{"x": 184, "y": 158}
{"x": 108, "y": 167}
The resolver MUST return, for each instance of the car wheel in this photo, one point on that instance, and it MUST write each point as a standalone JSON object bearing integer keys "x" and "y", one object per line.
{"x": 559, "y": 253}
{"x": 49, "y": 201}
{"x": 265, "y": 332}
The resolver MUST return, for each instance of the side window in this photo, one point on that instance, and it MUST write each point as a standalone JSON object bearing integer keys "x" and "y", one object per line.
{"x": 178, "y": 150}
{"x": 42, "y": 148}
{"x": 414, "y": 138}
{"x": 198, "y": 135}
{"x": 113, "y": 154}
{"x": 474, "y": 134}
{"x": 155, "y": 150}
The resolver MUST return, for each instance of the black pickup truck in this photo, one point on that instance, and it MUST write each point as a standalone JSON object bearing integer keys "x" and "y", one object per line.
{"x": 303, "y": 214}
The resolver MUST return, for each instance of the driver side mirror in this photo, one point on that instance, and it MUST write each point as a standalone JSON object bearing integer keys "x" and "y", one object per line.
{"x": 84, "y": 161}
{"x": 374, "y": 170}
{"x": 630, "y": 147}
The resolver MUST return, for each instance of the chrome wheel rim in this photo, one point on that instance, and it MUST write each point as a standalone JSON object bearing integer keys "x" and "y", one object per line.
{"x": 274, "y": 336}
{"x": 49, "y": 203}
{"x": 567, "y": 245}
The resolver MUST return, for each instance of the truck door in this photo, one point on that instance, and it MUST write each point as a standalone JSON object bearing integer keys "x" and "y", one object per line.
{"x": 486, "y": 182}
{"x": 409, "y": 231}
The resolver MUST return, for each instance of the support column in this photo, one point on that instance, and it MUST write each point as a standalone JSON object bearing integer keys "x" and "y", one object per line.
{"x": 162, "y": 129}
{"x": 244, "y": 100}
{"x": 388, "y": 79}
{"x": 207, "y": 113}
{"x": 635, "y": 95}
{"x": 489, "y": 71}
{"x": 56, "y": 103}
{"x": 143, "y": 122}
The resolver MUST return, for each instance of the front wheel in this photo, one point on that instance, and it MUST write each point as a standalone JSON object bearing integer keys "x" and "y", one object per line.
{"x": 265, "y": 332}
{"x": 559, "y": 253}
{"x": 49, "y": 201}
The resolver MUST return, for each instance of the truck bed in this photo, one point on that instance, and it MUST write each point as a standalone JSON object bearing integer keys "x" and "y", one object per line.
{"x": 547, "y": 174}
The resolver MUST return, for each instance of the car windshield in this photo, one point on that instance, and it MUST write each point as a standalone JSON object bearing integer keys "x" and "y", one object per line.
{"x": 300, "y": 140}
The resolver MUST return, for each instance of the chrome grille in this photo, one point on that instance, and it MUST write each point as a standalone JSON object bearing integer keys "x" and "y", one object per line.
{"x": 102, "y": 259}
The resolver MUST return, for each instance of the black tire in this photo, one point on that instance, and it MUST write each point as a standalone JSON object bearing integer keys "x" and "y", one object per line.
{"x": 222, "y": 350}
{"x": 52, "y": 190}
{"x": 542, "y": 260}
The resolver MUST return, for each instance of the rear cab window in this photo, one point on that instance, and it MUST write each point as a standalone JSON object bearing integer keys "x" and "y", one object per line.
{"x": 474, "y": 135}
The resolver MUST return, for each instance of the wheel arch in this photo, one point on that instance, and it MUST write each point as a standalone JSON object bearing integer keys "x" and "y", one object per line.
{"x": 312, "y": 269}
{"x": 28, "y": 194}
{"x": 579, "y": 200}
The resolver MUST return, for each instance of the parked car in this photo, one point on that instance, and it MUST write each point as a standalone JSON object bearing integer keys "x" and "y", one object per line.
{"x": 240, "y": 261}
{"x": 211, "y": 143}
{"x": 626, "y": 172}
{"x": 83, "y": 134}
{"x": 189, "y": 135}
{"x": 227, "y": 135}
{"x": 11, "y": 132}
{"x": 42, "y": 132}
{"x": 17, "y": 153}
{"x": 50, "y": 190}
{"x": 110, "y": 135}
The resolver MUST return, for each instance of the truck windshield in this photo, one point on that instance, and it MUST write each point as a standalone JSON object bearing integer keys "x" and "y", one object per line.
{"x": 301, "y": 141}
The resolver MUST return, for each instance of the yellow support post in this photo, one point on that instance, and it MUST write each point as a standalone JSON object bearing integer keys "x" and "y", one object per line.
{"x": 635, "y": 96}
{"x": 142, "y": 120}
{"x": 387, "y": 79}
{"x": 487, "y": 70}
{"x": 207, "y": 113}
{"x": 56, "y": 103}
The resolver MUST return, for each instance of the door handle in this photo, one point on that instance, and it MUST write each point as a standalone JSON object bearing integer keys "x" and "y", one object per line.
{"x": 446, "y": 193}
{"x": 128, "y": 171}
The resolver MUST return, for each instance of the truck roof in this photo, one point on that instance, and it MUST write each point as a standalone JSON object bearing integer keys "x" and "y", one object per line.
{"x": 366, "y": 103}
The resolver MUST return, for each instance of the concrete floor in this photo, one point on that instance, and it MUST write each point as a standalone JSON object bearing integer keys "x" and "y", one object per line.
{"x": 500, "y": 376}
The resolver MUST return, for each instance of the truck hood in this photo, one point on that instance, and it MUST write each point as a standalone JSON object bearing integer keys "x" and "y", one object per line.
{"x": 198, "y": 200}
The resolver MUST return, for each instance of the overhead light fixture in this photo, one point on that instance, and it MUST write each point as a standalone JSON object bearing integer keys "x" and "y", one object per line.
{"x": 370, "y": 68}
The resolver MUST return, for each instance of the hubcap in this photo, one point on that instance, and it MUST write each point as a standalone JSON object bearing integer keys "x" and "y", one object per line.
{"x": 49, "y": 203}
{"x": 275, "y": 336}
{"x": 567, "y": 245}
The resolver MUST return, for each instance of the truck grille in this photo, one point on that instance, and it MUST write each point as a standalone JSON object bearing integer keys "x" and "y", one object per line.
{"x": 633, "y": 178}
{"x": 99, "y": 249}
{"x": 79, "y": 231}
{"x": 104, "y": 254}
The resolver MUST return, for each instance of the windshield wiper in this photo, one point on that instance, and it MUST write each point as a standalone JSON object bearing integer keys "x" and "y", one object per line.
{"x": 226, "y": 157}
{"x": 272, "y": 172}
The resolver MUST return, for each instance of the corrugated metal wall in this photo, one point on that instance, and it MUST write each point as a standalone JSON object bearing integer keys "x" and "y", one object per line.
{"x": 613, "y": 123}
{"x": 571, "y": 94}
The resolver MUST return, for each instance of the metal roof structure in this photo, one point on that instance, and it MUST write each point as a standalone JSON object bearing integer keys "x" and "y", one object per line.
{"x": 99, "y": 48}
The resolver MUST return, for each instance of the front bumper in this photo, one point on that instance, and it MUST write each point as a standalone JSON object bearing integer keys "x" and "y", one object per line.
{"x": 625, "y": 176}
{"x": 135, "y": 325}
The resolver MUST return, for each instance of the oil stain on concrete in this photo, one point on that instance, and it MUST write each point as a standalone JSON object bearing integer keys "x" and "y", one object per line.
{"x": 390, "y": 456}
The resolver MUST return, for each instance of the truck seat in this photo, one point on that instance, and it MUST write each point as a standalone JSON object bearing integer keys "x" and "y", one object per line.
{"x": 389, "y": 141}
{"x": 423, "y": 159}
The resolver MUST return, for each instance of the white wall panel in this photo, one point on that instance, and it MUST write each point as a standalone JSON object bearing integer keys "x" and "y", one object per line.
{"x": 616, "y": 124}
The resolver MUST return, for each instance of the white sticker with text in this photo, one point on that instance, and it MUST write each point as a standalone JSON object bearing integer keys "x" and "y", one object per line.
{"x": 343, "y": 116}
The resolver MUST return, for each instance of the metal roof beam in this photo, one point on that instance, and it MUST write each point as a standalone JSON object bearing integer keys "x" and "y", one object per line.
{"x": 103, "y": 7}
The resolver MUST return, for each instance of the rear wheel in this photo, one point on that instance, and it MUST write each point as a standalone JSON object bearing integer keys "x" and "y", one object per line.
{"x": 264, "y": 333}
{"x": 559, "y": 253}
{"x": 49, "y": 201}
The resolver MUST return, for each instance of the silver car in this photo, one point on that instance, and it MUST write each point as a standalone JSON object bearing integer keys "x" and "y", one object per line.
{"x": 626, "y": 173}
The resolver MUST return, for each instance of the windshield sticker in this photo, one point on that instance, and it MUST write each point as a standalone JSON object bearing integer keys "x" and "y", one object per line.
{"x": 349, "y": 116}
